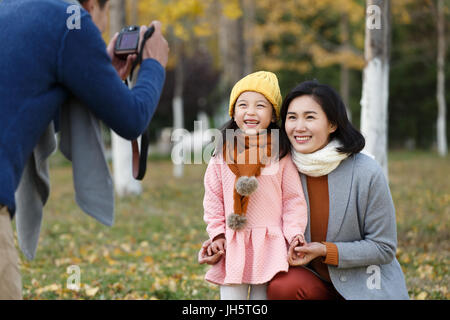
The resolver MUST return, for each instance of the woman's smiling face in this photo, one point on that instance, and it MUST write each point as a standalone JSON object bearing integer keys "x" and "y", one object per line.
{"x": 307, "y": 125}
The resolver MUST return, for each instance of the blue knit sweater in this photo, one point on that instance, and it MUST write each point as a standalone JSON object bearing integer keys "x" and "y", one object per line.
{"x": 41, "y": 62}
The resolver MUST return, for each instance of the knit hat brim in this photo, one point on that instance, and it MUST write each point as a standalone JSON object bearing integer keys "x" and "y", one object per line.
{"x": 263, "y": 82}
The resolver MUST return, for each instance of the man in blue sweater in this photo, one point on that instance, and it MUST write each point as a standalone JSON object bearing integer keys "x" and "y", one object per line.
{"x": 42, "y": 60}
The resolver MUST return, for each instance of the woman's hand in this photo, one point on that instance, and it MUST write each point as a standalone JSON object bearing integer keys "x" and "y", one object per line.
{"x": 123, "y": 67}
{"x": 302, "y": 255}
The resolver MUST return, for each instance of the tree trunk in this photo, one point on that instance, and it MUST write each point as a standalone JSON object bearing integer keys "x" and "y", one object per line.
{"x": 124, "y": 181}
{"x": 232, "y": 49}
{"x": 235, "y": 55}
{"x": 177, "y": 103}
{"x": 375, "y": 91}
{"x": 440, "y": 92}
{"x": 248, "y": 8}
{"x": 117, "y": 19}
{"x": 134, "y": 12}
{"x": 345, "y": 72}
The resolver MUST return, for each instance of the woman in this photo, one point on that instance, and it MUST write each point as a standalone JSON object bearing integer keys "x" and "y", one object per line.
{"x": 351, "y": 233}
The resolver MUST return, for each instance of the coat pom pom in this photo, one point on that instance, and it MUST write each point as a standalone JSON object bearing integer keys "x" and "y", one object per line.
{"x": 236, "y": 221}
{"x": 245, "y": 186}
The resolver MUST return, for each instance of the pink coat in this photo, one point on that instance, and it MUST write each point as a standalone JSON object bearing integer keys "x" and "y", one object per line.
{"x": 276, "y": 213}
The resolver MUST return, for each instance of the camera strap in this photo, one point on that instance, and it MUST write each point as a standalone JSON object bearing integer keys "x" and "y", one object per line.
{"x": 140, "y": 153}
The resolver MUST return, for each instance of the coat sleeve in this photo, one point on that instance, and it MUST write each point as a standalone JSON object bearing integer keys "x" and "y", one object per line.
{"x": 378, "y": 225}
{"x": 214, "y": 211}
{"x": 295, "y": 213}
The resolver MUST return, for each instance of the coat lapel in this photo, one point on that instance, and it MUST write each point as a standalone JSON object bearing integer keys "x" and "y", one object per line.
{"x": 305, "y": 191}
{"x": 339, "y": 186}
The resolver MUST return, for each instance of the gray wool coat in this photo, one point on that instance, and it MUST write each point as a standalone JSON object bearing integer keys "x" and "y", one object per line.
{"x": 363, "y": 227}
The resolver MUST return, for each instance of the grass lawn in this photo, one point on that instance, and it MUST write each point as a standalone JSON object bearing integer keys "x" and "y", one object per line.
{"x": 151, "y": 251}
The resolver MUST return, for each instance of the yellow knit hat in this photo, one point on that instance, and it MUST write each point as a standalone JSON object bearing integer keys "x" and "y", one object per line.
{"x": 263, "y": 82}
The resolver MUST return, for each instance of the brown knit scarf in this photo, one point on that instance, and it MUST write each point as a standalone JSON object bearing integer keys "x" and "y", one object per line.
{"x": 245, "y": 158}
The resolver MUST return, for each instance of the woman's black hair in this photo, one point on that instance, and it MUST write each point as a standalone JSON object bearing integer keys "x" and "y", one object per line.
{"x": 333, "y": 106}
{"x": 101, "y": 3}
{"x": 284, "y": 145}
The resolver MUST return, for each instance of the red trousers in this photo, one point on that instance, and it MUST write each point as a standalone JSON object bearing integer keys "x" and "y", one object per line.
{"x": 300, "y": 284}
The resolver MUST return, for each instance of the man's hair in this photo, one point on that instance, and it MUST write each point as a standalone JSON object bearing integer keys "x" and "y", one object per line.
{"x": 101, "y": 3}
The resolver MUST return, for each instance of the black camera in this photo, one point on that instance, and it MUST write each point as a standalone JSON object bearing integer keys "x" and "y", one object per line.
{"x": 127, "y": 42}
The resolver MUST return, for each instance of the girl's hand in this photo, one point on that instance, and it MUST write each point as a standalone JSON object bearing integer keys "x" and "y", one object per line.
{"x": 305, "y": 254}
{"x": 218, "y": 245}
{"x": 210, "y": 258}
{"x": 297, "y": 241}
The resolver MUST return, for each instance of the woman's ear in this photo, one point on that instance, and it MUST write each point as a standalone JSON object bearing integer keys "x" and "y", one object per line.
{"x": 332, "y": 128}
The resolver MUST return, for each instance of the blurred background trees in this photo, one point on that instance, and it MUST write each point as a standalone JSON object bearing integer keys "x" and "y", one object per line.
{"x": 215, "y": 42}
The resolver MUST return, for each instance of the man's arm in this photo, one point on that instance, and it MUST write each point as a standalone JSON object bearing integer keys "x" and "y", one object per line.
{"x": 85, "y": 68}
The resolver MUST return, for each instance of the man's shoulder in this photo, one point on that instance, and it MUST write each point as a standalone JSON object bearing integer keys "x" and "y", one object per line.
{"x": 56, "y": 5}
{"x": 44, "y": 9}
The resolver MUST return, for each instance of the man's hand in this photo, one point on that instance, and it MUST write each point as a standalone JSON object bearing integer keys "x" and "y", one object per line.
{"x": 123, "y": 67}
{"x": 203, "y": 256}
{"x": 156, "y": 47}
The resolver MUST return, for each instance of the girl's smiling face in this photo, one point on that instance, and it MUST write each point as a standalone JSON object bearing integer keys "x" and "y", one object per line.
{"x": 307, "y": 125}
{"x": 253, "y": 112}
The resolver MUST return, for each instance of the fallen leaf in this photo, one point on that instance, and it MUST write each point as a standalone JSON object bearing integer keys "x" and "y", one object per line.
{"x": 90, "y": 291}
{"x": 52, "y": 287}
{"x": 422, "y": 295}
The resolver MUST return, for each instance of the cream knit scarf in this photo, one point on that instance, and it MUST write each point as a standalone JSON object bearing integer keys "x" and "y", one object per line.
{"x": 320, "y": 162}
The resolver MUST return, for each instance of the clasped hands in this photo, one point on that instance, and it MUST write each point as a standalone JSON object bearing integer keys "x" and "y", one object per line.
{"x": 212, "y": 251}
{"x": 299, "y": 253}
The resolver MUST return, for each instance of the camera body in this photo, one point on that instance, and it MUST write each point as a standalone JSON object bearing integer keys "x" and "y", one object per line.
{"x": 128, "y": 42}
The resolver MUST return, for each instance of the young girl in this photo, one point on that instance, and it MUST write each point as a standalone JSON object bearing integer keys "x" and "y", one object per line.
{"x": 254, "y": 205}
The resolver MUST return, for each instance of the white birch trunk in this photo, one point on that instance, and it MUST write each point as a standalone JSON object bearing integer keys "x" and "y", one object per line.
{"x": 440, "y": 92}
{"x": 375, "y": 91}
{"x": 177, "y": 106}
{"x": 374, "y": 110}
{"x": 124, "y": 181}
